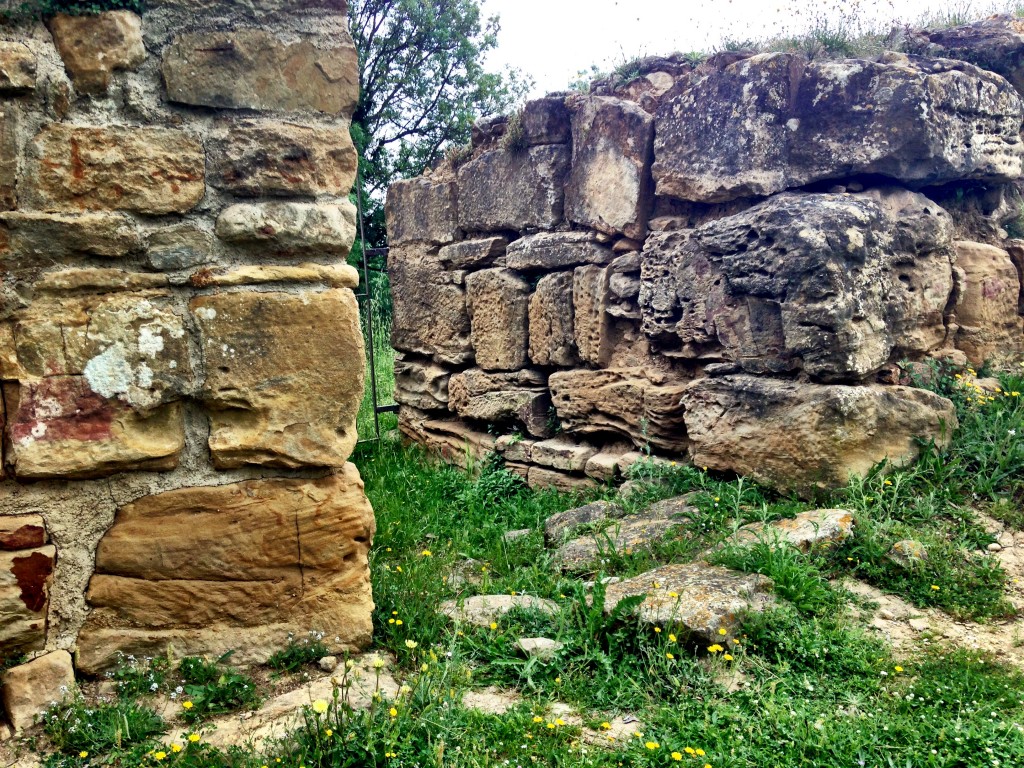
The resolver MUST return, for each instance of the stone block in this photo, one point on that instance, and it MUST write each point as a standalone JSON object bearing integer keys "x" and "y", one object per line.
{"x": 430, "y": 317}
{"x": 498, "y": 303}
{"x": 284, "y": 376}
{"x": 473, "y": 254}
{"x": 145, "y": 170}
{"x": 505, "y": 190}
{"x": 499, "y": 398}
{"x": 801, "y": 437}
{"x": 10, "y": 150}
{"x": 546, "y": 121}
{"x": 233, "y": 567}
{"x": 515, "y": 448}
{"x": 562, "y": 453}
{"x": 93, "y": 47}
{"x": 541, "y": 478}
{"x": 17, "y": 68}
{"x": 179, "y": 246}
{"x": 562, "y": 525}
{"x": 26, "y": 568}
{"x": 590, "y": 316}
{"x": 46, "y": 238}
{"x": 422, "y": 210}
{"x": 993, "y": 43}
{"x": 453, "y": 440}
{"x": 610, "y": 187}
{"x": 556, "y": 250}
{"x": 624, "y": 402}
{"x": 29, "y": 689}
{"x": 552, "y": 329}
{"x": 988, "y": 296}
{"x": 423, "y": 385}
{"x": 291, "y": 228}
{"x": 257, "y": 158}
{"x": 333, "y": 275}
{"x": 778, "y": 121}
{"x": 254, "y": 69}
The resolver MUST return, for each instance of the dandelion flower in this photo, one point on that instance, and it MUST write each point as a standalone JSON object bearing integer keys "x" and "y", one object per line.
{"x": 410, "y": 644}
{"x": 559, "y": 721}
{"x": 83, "y": 754}
{"x": 671, "y": 638}
{"x": 699, "y": 752}
{"x": 728, "y": 657}
{"x": 935, "y": 587}
{"x": 194, "y": 737}
{"x": 187, "y": 705}
{"x": 160, "y": 755}
{"x": 538, "y": 719}
{"x": 898, "y": 668}
{"x": 677, "y": 756}
{"x": 669, "y": 656}
{"x": 652, "y": 744}
{"x": 176, "y": 747}
{"x": 320, "y": 706}
{"x": 494, "y": 625}
{"x": 716, "y": 648}
{"x": 427, "y": 553}
{"x": 657, "y": 630}
{"x": 378, "y": 663}
{"x": 722, "y": 631}
{"x": 393, "y": 712}
{"x": 606, "y": 726}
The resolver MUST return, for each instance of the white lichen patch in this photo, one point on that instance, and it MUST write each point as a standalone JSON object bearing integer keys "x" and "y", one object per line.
{"x": 109, "y": 373}
{"x": 151, "y": 341}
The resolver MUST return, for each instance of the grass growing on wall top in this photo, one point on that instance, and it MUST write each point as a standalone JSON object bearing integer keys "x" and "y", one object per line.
{"x": 36, "y": 8}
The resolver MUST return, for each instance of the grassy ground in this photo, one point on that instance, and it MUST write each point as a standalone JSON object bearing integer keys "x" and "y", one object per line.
{"x": 805, "y": 685}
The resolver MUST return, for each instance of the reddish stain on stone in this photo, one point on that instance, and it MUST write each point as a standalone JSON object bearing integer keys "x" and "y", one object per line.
{"x": 77, "y": 166}
{"x": 32, "y": 574}
{"x": 62, "y": 408}
{"x": 25, "y": 537}
{"x": 990, "y": 289}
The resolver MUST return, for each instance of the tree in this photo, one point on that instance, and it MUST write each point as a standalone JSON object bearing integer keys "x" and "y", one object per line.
{"x": 422, "y": 84}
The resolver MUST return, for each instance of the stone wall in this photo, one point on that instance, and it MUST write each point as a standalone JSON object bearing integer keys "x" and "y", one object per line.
{"x": 730, "y": 264}
{"x": 180, "y": 351}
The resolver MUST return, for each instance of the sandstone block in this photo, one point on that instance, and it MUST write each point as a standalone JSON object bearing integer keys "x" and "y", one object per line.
{"x": 619, "y": 537}
{"x": 254, "y": 69}
{"x": 423, "y": 385}
{"x": 93, "y": 47}
{"x": 803, "y": 436}
{"x": 610, "y": 186}
{"x": 815, "y": 529}
{"x": 556, "y": 250}
{"x": 994, "y": 43}
{"x": 333, "y": 275}
{"x": 145, "y": 170}
{"x": 563, "y": 482}
{"x": 453, "y": 440}
{"x": 237, "y": 567}
{"x": 254, "y": 159}
{"x": 514, "y": 448}
{"x": 178, "y": 247}
{"x": 284, "y": 376}
{"x": 498, "y": 398}
{"x": 561, "y": 525}
{"x": 422, "y": 210}
{"x": 29, "y": 689}
{"x": 778, "y": 121}
{"x": 471, "y": 254}
{"x": 546, "y": 121}
{"x": 624, "y": 402}
{"x": 22, "y": 532}
{"x": 498, "y": 310}
{"x": 430, "y": 317}
{"x": 988, "y": 292}
{"x": 552, "y": 332}
{"x": 45, "y": 238}
{"x": 590, "y": 316}
{"x": 1015, "y": 249}
{"x": 562, "y": 453}
{"x": 762, "y": 289}
{"x": 482, "y": 610}
{"x": 26, "y": 567}
{"x": 504, "y": 190}
{"x": 543, "y": 648}
{"x": 291, "y": 228}
{"x": 10, "y": 149}
{"x": 17, "y": 68}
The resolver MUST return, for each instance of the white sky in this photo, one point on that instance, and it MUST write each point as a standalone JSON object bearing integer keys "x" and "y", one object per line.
{"x": 552, "y": 40}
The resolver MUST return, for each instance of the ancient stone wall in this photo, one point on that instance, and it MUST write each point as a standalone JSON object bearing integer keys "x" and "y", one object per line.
{"x": 730, "y": 264}
{"x": 180, "y": 350}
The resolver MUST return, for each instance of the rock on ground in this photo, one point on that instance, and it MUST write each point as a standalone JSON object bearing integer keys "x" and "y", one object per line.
{"x": 29, "y": 689}
{"x": 817, "y": 528}
{"x": 483, "y": 610}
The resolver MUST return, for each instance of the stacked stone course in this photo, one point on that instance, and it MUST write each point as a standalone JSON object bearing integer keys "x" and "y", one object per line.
{"x": 181, "y": 360}
{"x": 729, "y": 264}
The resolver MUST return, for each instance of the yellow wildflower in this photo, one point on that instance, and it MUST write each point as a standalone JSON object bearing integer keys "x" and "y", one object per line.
{"x": 194, "y": 737}
{"x": 652, "y": 744}
{"x": 320, "y": 706}
{"x": 187, "y": 705}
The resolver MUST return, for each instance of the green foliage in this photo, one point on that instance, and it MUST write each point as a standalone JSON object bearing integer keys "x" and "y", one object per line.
{"x": 212, "y": 688}
{"x": 44, "y": 8}
{"x": 514, "y": 138}
{"x": 136, "y": 678}
{"x": 72, "y": 726}
{"x": 298, "y": 653}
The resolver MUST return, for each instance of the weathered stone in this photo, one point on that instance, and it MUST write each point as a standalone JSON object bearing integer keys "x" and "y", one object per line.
{"x": 29, "y": 689}
{"x": 504, "y": 190}
{"x": 483, "y": 610}
{"x": 422, "y": 210}
{"x": 334, "y": 275}
{"x": 284, "y": 376}
{"x": 561, "y": 525}
{"x": 254, "y": 69}
{"x": 451, "y": 439}
{"x": 10, "y": 149}
{"x": 233, "y": 567}
{"x": 17, "y": 68}
{"x": 145, "y": 170}
{"x": 540, "y": 478}
{"x": 1015, "y": 249}
{"x": 515, "y": 448}
{"x": 275, "y": 158}
{"x": 623, "y": 401}
{"x": 520, "y": 533}
{"x": 552, "y": 332}
{"x": 604, "y": 466}
{"x": 562, "y": 453}
{"x": 836, "y": 285}
{"x": 423, "y": 385}
{"x": 988, "y": 297}
{"x": 994, "y": 43}
{"x": 610, "y": 186}
{"x": 471, "y": 254}
{"x": 94, "y": 47}
{"x": 622, "y": 537}
{"x": 60, "y": 427}
{"x": 498, "y": 310}
{"x": 291, "y": 228}
{"x": 590, "y": 317}
{"x": 22, "y": 532}
{"x": 908, "y": 553}
{"x": 700, "y": 598}
{"x": 815, "y": 529}
{"x": 799, "y": 437}
{"x": 778, "y": 121}
{"x": 429, "y": 317}
{"x": 98, "y": 280}
{"x": 179, "y": 246}
{"x": 546, "y": 121}
{"x": 539, "y": 647}
{"x": 48, "y": 237}
{"x": 497, "y": 398}
{"x": 26, "y": 568}
{"x": 555, "y": 250}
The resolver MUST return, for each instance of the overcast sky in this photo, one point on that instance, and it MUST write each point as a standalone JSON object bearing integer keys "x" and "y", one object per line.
{"x": 552, "y": 40}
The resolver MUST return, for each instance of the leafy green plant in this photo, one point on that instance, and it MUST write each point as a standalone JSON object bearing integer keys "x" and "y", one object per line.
{"x": 74, "y": 727}
{"x": 36, "y": 8}
{"x": 298, "y": 653}
{"x": 135, "y": 677}
{"x": 210, "y": 688}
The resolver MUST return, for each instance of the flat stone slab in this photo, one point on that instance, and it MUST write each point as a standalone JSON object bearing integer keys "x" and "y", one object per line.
{"x": 817, "y": 528}
{"x": 561, "y": 524}
{"x": 482, "y": 610}
{"x": 704, "y": 599}
{"x": 539, "y": 647}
